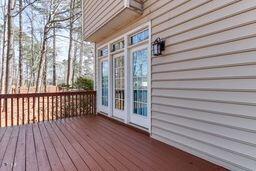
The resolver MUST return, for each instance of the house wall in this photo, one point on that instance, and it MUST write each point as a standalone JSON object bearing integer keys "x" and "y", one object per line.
{"x": 204, "y": 85}
{"x": 98, "y": 12}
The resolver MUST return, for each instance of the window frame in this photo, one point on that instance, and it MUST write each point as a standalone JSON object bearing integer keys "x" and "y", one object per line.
{"x": 126, "y": 50}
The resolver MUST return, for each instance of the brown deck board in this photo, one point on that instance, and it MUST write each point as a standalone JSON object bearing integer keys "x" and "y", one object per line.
{"x": 31, "y": 158}
{"x": 115, "y": 163}
{"x": 135, "y": 146}
{"x": 133, "y": 156}
{"x": 163, "y": 152}
{"x": 42, "y": 158}
{"x": 94, "y": 153}
{"x": 74, "y": 156}
{"x": 8, "y": 160}
{"x": 90, "y": 143}
{"x": 50, "y": 150}
{"x": 20, "y": 163}
{"x": 4, "y": 144}
{"x": 147, "y": 148}
{"x": 110, "y": 149}
{"x": 96, "y": 143}
{"x": 61, "y": 151}
{"x": 92, "y": 164}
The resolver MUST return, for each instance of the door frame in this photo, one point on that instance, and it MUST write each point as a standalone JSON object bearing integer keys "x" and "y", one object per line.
{"x": 102, "y": 108}
{"x": 126, "y": 50}
{"x": 135, "y": 118}
{"x": 121, "y": 114}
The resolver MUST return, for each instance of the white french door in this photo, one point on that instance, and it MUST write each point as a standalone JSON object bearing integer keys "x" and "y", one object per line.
{"x": 119, "y": 87}
{"x": 104, "y": 85}
{"x": 139, "y": 86}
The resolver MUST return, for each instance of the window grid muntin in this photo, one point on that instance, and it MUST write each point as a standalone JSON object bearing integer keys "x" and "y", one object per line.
{"x": 119, "y": 77}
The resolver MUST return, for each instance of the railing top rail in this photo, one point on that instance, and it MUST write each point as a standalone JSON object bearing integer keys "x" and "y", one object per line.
{"x": 46, "y": 94}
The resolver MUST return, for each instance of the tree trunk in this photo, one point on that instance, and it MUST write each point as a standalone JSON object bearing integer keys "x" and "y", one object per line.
{"x": 10, "y": 51}
{"x": 41, "y": 62}
{"x": 3, "y": 49}
{"x": 81, "y": 54}
{"x": 74, "y": 64}
{"x": 45, "y": 70}
{"x": 32, "y": 76}
{"x": 54, "y": 58}
{"x": 20, "y": 84}
{"x": 69, "y": 71}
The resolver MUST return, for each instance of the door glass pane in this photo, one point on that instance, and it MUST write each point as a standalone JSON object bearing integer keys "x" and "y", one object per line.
{"x": 104, "y": 82}
{"x": 119, "y": 82}
{"x": 140, "y": 82}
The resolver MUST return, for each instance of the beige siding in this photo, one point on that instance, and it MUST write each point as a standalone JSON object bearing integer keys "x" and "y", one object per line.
{"x": 97, "y": 12}
{"x": 204, "y": 86}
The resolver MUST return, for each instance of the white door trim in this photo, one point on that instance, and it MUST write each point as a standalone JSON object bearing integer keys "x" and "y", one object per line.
{"x": 102, "y": 108}
{"x": 121, "y": 114}
{"x": 126, "y": 50}
{"x": 134, "y": 118}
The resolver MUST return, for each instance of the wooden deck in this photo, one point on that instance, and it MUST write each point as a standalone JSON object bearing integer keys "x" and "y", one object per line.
{"x": 89, "y": 143}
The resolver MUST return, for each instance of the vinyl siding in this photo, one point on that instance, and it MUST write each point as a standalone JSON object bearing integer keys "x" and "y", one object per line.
{"x": 97, "y": 12}
{"x": 204, "y": 85}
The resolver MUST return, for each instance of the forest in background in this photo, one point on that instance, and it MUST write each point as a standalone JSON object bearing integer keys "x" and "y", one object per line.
{"x": 31, "y": 34}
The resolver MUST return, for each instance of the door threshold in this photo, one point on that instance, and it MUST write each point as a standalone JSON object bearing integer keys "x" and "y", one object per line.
{"x": 129, "y": 125}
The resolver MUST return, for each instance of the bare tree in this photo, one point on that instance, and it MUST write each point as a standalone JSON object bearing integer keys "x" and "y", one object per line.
{"x": 3, "y": 47}
{"x": 20, "y": 84}
{"x": 74, "y": 63}
{"x": 53, "y": 16}
{"x": 70, "y": 50}
{"x": 54, "y": 54}
{"x": 10, "y": 50}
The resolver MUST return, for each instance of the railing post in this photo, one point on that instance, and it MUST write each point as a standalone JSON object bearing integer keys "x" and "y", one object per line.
{"x": 18, "y": 111}
{"x": 95, "y": 103}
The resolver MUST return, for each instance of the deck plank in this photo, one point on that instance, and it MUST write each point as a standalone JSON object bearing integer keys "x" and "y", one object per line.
{"x": 92, "y": 164}
{"x": 31, "y": 158}
{"x": 147, "y": 149}
{"x": 134, "y": 156}
{"x": 62, "y": 153}
{"x": 4, "y": 144}
{"x": 8, "y": 160}
{"x": 20, "y": 160}
{"x": 74, "y": 156}
{"x": 50, "y": 150}
{"x": 136, "y": 146}
{"x": 90, "y": 143}
{"x": 115, "y": 153}
{"x": 94, "y": 153}
{"x": 163, "y": 151}
{"x": 42, "y": 158}
{"x": 113, "y": 161}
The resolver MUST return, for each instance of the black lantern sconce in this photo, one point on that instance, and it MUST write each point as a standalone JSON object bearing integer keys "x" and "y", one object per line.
{"x": 158, "y": 47}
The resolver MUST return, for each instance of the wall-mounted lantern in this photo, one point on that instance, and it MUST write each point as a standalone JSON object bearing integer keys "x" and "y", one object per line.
{"x": 158, "y": 47}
